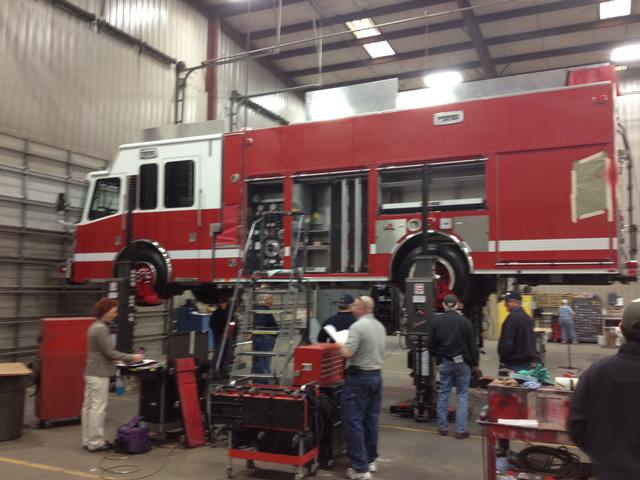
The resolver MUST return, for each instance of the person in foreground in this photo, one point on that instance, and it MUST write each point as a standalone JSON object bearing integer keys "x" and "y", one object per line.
{"x": 99, "y": 368}
{"x": 603, "y": 418}
{"x": 362, "y": 389}
{"x": 453, "y": 343}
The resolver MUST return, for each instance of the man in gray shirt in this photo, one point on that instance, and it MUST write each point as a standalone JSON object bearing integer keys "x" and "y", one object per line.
{"x": 362, "y": 390}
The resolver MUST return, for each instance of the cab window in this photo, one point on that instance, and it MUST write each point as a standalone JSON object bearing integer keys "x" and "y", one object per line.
{"x": 106, "y": 198}
{"x": 178, "y": 184}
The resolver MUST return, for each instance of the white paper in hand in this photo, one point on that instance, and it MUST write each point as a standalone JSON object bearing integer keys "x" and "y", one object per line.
{"x": 337, "y": 336}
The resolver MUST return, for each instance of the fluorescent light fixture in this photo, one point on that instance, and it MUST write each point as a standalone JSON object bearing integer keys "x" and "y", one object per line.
{"x": 620, "y": 68}
{"x": 615, "y": 8}
{"x": 379, "y": 49}
{"x": 626, "y": 53}
{"x": 363, "y": 28}
{"x": 445, "y": 79}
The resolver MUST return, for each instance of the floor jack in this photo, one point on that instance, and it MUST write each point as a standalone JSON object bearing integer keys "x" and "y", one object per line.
{"x": 419, "y": 295}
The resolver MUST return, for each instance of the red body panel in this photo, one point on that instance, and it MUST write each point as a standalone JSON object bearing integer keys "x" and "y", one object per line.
{"x": 530, "y": 142}
{"x": 190, "y": 401}
{"x": 63, "y": 355}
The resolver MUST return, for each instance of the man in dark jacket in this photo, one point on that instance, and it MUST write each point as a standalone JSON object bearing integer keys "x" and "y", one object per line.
{"x": 341, "y": 320}
{"x": 603, "y": 419}
{"x": 516, "y": 347}
{"x": 217, "y": 325}
{"x": 265, "y": 331}
{"x": 452, "y": 342}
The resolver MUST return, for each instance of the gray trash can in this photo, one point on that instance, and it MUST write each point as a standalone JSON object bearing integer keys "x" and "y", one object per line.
{"x": 14, "y": 379}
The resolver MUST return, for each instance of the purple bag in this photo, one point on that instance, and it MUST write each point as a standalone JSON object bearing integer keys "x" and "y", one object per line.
{"x": 133, "y": 436}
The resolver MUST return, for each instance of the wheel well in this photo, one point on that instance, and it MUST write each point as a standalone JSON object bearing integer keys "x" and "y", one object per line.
{"x": 415, "y": 242}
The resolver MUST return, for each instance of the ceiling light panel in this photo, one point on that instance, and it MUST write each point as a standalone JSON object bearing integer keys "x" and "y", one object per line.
{"x": 363, "y": 28}
{"x": 615, "y": 8}
{"x": 379, "y": 49}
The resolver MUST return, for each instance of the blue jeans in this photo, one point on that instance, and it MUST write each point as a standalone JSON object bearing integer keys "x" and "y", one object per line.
{"x": 361, "y": 399}
{"x": 458, "y": 374}
{"x": 262, "y": 343}
{"x": 567, "y": 330}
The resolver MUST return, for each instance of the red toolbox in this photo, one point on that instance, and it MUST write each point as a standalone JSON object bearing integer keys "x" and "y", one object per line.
{"x": 62, "y": 357}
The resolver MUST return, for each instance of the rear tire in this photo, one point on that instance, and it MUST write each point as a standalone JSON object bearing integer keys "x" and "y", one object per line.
{"x": 449, "y": 261}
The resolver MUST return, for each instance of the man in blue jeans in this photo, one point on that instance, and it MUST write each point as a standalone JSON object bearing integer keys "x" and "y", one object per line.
{"x": 452, "y": 342}
{"x": 265, "y": 330}
{"x": 565, "y": 319}
{"x": 362, "y": 389}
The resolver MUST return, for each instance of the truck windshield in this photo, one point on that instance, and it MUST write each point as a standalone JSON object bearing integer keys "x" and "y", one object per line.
{"x": 106, "y": 198}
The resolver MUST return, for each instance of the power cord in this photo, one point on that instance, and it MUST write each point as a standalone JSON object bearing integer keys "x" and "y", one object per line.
{"x": 128, "y": 469}
{"x": 559, "y": 462}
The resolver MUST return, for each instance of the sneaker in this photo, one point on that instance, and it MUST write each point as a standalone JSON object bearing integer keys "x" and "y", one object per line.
{"x": 462, "y": 435}
{"x": 372, "y": 467}
{"x": 103, "y": 448}
{"x": 444, "y": 432}
{"x": 353, "y": 475}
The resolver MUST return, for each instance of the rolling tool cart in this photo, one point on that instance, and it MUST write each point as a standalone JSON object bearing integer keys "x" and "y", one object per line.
{"x": 268, "y": 423}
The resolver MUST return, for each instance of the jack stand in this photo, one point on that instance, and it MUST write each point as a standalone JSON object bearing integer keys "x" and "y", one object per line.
{"x": 419, "y": 295}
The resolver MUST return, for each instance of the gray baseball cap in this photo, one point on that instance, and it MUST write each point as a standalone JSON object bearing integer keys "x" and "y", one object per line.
{"x": 631, "y": 314}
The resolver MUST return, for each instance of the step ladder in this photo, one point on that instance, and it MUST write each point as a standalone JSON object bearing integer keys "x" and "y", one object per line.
{"x": 290, "y": 295}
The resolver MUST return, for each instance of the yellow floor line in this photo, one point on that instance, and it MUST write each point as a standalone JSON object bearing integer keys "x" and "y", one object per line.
{"x": 48, "y": 468}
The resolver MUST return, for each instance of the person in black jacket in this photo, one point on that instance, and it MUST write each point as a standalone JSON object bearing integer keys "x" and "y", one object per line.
{"x": 452, "y": 342}
{"x": 516, "y": 347}
{"x": 603, "y": 417}
{"x": 341, "y": 320}
{"x": 217, "y": 325}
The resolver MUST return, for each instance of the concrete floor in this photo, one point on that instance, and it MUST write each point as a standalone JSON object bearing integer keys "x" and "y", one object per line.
{"x": 408, "y": 450}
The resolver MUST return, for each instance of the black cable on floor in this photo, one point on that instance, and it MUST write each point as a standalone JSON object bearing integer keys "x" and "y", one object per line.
{"x": 128, "y": 469}
{"x": 559, "y": 462}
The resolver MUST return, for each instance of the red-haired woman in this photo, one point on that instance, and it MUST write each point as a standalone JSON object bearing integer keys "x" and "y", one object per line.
{"x": 100, "y": 367}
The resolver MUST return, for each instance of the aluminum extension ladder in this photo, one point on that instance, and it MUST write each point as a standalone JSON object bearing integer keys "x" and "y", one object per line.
{"x": 291, "y": 310}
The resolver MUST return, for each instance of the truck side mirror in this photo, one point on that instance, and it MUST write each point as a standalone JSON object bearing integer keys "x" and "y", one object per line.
{"x": 61, "y": 203}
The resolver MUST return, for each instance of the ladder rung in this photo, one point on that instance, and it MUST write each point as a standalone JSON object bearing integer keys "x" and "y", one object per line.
{"x": 262, "y": 354}
{"x": 254, "y": 375}
{"x": 263, "y": 332}
{"x": 263, "y": 311}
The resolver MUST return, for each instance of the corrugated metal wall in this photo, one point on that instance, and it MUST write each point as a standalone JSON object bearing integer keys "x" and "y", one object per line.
{"x": 233, "y": 76}
{"x": 67, "y": 88}
{"x": 67, "y": 83}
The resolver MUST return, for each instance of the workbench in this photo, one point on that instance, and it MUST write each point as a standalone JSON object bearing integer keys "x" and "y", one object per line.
{"x": 548, "y": 405}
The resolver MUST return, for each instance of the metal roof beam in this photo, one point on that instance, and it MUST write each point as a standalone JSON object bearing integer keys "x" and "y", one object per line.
{"x": 473, "y": 29}
{"x": 439, "y": 27}
{"x": 524, "y": 57}
{"x": 267, "y": 64}
{"x": 456, "y": 47}
{"x": 341, "y": 19}
{"x": 414, "y": 5}
{"x": 234, "y": 8}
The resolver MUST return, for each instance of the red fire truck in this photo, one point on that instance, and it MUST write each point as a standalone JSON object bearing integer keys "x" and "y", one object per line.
{"x": 526, "y": 186}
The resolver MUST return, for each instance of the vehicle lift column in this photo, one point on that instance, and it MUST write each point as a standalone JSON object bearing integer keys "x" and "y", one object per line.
{"x": 126, "y": 320}
{"x": 419, "y": 295}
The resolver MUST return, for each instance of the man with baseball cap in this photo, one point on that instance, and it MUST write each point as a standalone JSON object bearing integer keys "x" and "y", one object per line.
{"x": 452, "y": 342}
{"x": 603, "y": 418}
{"x": 517, "y": 344}
{"x": 341, "y": 320}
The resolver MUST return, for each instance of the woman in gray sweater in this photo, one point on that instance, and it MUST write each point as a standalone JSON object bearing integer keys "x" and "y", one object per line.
{"x": 100, "y": 367}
